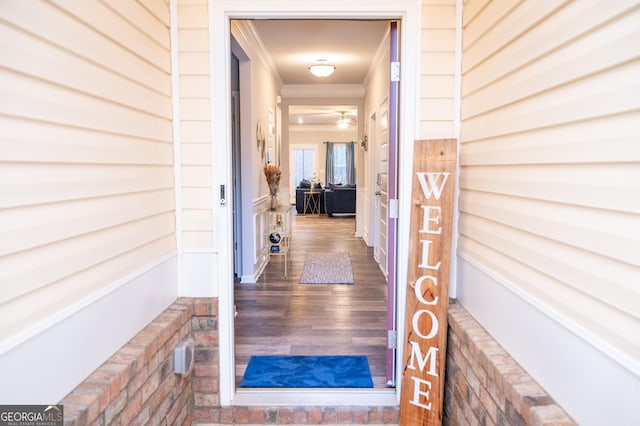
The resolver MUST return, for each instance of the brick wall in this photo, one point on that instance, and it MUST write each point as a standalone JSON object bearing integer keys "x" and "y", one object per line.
{"x": 485, "y": 386}
{"x": 206, "y": 383}
{"x": 137, "y": 384}
{"x": 302, "y": 415}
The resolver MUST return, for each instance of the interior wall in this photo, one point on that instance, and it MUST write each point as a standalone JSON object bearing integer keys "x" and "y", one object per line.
{"x": 316, "y": 138}
{"x": 292, "y": 135}
{"x": 259, "y": 89}
{"x": 549, "y": 158}
{"x": 87, "y": 207}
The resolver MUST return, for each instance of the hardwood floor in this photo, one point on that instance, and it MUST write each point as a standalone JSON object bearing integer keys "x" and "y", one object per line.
{"x": 278, "y": 316}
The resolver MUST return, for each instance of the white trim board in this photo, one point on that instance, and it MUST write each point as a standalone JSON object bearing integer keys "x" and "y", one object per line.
{"x": 589, "y": 385}
{"x": 198, "y": 271}
{"x": 177, "y": 135}
{"x": 50, "y": 364}
{"x": 220, "y": 14}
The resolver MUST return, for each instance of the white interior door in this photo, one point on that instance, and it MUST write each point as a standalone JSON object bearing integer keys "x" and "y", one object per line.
{"x": 381, "y": 190}
{"x": 391, "y": 123}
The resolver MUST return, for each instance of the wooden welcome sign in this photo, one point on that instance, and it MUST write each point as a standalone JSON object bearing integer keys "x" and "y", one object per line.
{"x": 422, "y": 391}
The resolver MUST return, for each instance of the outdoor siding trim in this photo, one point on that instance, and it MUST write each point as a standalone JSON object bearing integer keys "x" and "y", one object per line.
{"x": 195, "y": 125}
{"x": 85, "y": 154}
{"x": 550, "y": 161}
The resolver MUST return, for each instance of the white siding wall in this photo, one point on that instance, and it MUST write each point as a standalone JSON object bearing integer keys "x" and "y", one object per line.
{"x": 86, "y": 176}
{"x": 550, "y": 182}
{"x": 198, "y": 258}
{"x": 437, "y": 71}
{"x": 195, "y": 124}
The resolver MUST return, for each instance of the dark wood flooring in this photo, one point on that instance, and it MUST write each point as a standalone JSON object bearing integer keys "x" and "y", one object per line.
{"x": 279, "y": 316}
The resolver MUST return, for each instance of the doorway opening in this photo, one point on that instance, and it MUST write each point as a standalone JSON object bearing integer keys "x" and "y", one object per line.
{"x": 220, "y": 21}
{"x": 320, "y": 135}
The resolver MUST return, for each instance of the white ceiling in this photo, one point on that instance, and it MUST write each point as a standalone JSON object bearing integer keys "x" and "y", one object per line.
{"x": 293, "y": 45}
{"x": 321, "y": 114}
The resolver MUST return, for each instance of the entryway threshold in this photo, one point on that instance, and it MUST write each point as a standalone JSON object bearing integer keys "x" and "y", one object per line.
{"x": 309, "y": 397}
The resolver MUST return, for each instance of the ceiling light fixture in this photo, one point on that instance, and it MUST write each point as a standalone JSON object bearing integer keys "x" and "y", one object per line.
{"x": 342, "y": 122}
{"x": 322, "y": 69}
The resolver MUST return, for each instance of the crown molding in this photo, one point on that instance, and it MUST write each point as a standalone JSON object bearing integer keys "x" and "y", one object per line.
{"x": 243, "y": 30}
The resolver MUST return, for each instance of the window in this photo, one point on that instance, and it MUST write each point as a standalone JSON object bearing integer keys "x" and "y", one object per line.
{"x": 339, "y": 164}
{"x": 302, "y": 165}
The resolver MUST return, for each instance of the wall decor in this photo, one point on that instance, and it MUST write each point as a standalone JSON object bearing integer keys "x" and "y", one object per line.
{"x": 260, "y": 139}
{"x": 271, "y": 132}
{"x": 364, "y": 142}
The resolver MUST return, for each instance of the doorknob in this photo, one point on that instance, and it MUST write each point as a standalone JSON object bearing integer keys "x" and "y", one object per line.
{"x": 377, "y": 193}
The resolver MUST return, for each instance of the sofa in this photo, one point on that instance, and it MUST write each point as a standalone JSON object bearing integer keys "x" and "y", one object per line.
{"x": 305, "y": 186}
{"x": 340, "y": 200}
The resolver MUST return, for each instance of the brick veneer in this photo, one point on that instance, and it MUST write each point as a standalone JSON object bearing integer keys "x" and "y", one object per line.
{"x": 485, "y": 386}
{"x": 137, "y": 384}
{"x": 313, "y": 415}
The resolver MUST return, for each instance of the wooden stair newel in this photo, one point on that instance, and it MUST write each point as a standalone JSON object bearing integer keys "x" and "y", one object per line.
{"x": 433, "y": 189}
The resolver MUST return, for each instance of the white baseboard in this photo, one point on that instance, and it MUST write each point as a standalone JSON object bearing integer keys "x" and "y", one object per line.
{"x": 592, "y": 387}
{"x": 365, "y": 238}
{"x": 253, "y": 278}
{"x": 46, "y": 367}
{"x": 198, "y": 275}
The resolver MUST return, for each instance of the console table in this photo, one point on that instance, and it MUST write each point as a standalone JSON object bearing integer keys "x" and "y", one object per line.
{"x": 279, "y": 222}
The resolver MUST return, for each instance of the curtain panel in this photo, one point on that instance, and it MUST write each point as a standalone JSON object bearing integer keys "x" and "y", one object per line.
{"x": 330, "y": 162}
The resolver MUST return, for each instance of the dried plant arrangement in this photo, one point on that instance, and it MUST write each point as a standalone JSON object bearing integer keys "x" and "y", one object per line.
{"x": 272, "y": 173}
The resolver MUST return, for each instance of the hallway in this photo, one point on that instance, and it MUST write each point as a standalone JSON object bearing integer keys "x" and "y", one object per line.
{"x": 278, "y": 316}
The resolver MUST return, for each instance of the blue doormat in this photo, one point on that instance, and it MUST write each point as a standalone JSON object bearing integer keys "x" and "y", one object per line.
{"x": 288, "y": 371}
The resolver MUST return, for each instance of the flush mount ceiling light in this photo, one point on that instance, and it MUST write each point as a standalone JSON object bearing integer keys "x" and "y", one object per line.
{"x": 321, "y": 69}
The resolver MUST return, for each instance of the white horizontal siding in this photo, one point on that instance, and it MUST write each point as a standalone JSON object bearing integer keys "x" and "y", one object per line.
{"x": 550, "y": 160}
{"x": 85, "y": 153}
{"x": 437, "y": 86}
{"x": 29, "y": 98}
{"x": 196, "y": 154}
{"x": 566, "y": 25}
{"x": 158, "y": 8}
{"x": 31, "y": 142}
{"x": 61, "y": 29}
{"x": 42, "y": 224}
{"x": 195, "y": 124}
{"x": 106, "y": 21}
{"x": 40, "y": 266}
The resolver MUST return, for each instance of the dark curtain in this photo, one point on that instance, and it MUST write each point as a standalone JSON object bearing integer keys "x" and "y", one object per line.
{"x": 328, "y": 168}
{"x": 351, "y": 164}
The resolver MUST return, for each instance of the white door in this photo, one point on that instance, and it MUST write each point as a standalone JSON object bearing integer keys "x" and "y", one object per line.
{"x": 381, "y": 190}
{"x": 391, "y": 196}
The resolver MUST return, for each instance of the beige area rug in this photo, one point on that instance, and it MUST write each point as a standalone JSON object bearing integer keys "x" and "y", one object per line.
{"x": 327, "y": 268}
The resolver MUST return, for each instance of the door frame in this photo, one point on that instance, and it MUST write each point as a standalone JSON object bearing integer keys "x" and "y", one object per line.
{"x": 408, "y": 12}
